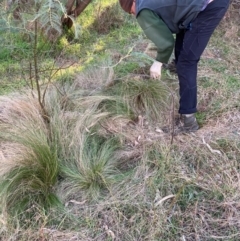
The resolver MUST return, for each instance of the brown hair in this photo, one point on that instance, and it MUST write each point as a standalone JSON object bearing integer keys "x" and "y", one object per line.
{"x": 126, "y": 5}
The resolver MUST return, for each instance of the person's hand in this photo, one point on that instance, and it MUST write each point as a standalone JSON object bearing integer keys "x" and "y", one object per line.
{"x": 155, "y": 70}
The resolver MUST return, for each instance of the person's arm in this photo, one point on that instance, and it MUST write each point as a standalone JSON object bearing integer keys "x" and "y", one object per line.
{"x": 158, "y": 32}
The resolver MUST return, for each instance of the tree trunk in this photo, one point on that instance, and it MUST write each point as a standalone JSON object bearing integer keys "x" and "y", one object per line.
{"x": 80, "y": 6}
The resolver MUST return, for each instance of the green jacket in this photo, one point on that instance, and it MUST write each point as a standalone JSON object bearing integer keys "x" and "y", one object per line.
{"x": 158, "y": 32}
{"x": 159, "y": 21}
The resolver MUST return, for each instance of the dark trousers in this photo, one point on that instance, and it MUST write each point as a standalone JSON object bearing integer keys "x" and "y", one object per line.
{"x": 189, "y": 46}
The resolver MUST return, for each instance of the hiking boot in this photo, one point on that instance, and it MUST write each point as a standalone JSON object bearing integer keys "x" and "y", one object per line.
{"x": 182, "y": 124}
{"x": 188, "y": 123}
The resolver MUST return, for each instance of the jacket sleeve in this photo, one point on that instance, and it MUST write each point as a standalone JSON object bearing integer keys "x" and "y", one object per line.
{"x": 158, "y": 32}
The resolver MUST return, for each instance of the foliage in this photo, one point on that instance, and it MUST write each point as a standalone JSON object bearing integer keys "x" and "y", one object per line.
{"x": 47, "y": 13}
{"x": 49, "y": 16}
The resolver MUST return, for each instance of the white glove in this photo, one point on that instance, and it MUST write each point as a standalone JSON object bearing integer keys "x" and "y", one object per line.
{"x": 155, "y": 70}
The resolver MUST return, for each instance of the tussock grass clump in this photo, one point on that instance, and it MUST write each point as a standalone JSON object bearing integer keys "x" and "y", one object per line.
{"x": 29, "y": 164}
{"x": 94, "y": 169}
{"x": 146, "y": 97}
{"x": 31, "y": 180}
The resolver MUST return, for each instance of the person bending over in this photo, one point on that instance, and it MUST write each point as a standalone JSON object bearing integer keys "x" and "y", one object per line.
{"x": 193, "y": 22}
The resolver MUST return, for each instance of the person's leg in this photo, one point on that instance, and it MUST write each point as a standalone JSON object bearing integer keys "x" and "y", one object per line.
{"x": 194, "y": 42}
{"x": 177, "y": 49}
{"x": 178, "y": 45}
